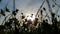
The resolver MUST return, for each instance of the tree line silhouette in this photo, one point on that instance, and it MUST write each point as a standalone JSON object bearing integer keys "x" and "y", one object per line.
{"x": 13, "y": 26}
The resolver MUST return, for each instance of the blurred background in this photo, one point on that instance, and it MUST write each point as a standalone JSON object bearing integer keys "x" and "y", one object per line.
{"x": 29, "y": 16}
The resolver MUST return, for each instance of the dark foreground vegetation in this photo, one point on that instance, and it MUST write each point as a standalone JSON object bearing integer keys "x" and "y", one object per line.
{"x": 13, "y": 26}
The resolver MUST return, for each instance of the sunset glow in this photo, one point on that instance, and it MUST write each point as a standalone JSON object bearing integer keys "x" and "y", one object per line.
{"x": 31, "y": 18}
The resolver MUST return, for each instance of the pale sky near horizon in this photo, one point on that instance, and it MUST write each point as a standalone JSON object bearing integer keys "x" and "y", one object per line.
{"x": 26, "y": 6}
